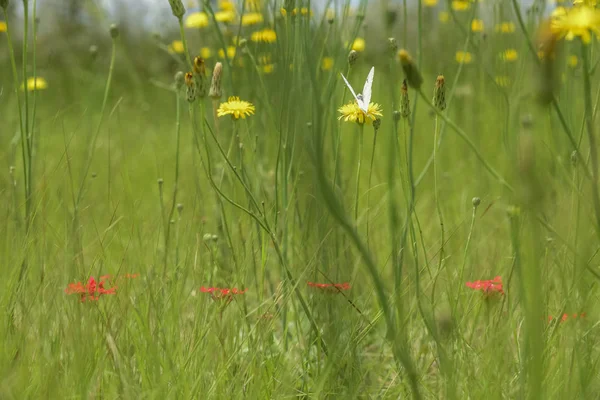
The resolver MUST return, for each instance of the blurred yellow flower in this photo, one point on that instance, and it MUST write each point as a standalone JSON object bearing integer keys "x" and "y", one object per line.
{"x": 236, "y": 108}
{"x": 505, "y": 27}
{"x": 3, "y": 26}
{"x": 463, "y": 57}
{"x": 443, "y": 17}
{"x": 502, "y": 80}
{"x": 37, "y": 83}
{"x": 176, "y": 46}
{"x": 358, "y": 44}
{"x": 252, "y": 5}
{"x": 230, "y": 52}
{"x": 266, "y": 35}
{"x": 430, "y": 3}
{"x": 303, "y": 11}
{"x": 577, "y": 21}
{"x": 268, "y": 68}
{"x": 226, "y": 5}
{"x": 225, "y": 16}
{"x": 477, "y": 25}
{"x": 326, "y": 63}
{"x": 460, "y": 5}
{"x": 351, "y": 112}
{"x": 252, "y": 19}
{"x": 196, "y": 20}
{"x": 205, "y": 53}
{"x": 572, "y": 61}
{"x": 509, "y": 55}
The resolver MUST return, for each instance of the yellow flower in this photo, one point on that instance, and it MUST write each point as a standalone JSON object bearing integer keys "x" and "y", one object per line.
{"x": 477, "y": 25}
{"x": 176, "y": 46}
{"x": 572, "y": 61}
{"x": 591, "y": 3}
{"x": 358, "y": 44}
{"x": 253, "y": 5}
{"x": 268, "y": 68}
{"x": 37, "y": 83}
{"x": 225, "y": 16}
{"x": 326, "y": 63}
{"x": 303, "y": 11}
{"x": 205, "y": 52}
{"x": 505, "y": 27}
{"x": 226, "y": 5}
{"x": 443, "y": 17}
{"x": 230, "y": 52}
{"x": 576, "y": 21}
{"x": 236, "y": 108}
{"x": 502, "y": 80}
{"x": 266, "y": 35}
{"x": 509, "y": 55}
{"x": 463, "y": 57}
{"x": 460, "y": 5}
{"x": 430, "y": 3}
{"x": 352, "y": 113}
{"x": 3, "y": 26}
{"x": 196, "y": 20}
{"x": 252, "y": 18}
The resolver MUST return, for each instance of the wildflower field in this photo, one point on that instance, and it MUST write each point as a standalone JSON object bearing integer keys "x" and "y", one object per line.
{"x": 276, "y": 199}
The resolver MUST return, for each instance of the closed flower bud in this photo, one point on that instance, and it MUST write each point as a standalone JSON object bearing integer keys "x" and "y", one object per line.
{"x": 476, "y": 202}
{"x": 179, "y": 79}
{"x": 192, "y": 87}
{"x": 393, "y": 45}
{"x": 215, "y": 85}
{"x": 352, "y": 57}
{"x": 200, "y": 74}
{"x": 376, "y": 124}
{"x": 439, "y": 93}
{"x": 396, "y": 114}
{"x": 114, "y": 31}
{"x": 411, "y": 72}
{"x": 330, "y": 16}
{"x": 177, "y": 8}
{"x": 404, "y": 100}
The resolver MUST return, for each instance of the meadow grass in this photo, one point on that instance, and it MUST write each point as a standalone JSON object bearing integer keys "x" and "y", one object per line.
{"x": 445, "y": 249}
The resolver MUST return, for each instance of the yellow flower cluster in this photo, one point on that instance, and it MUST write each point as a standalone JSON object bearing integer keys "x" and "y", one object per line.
{"x": 266, "y": 35}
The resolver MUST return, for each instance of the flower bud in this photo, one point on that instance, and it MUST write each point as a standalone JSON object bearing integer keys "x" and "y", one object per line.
{"x": 200, "y": 75}
{"x": 215, "y": 85}
{"x": 352, "y": 57}
{"x": 439, "y": 93}
{"x": 177, "y": 8}
{"x": 330, "y": 15}
{"x": 114, "y": 31}
{"x": 179, "y": 79}
{"x": 411, "y": 72}
{"x": 393, "y": 45}
{"x": 377, "y": 124}
{"x": 476, "y": 202}
{"x": 192, "y": 87}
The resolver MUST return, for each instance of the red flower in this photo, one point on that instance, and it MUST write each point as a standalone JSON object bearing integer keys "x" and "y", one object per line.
{"x": 330, "y": 286}
{"x": 222, "y": 293}
{"x": 91, "y": 291}
{"x": 488, "y": 287}
{"x": 566, "y": 316}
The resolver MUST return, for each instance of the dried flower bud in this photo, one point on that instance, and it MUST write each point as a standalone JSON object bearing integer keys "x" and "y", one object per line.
{"x": 404, "y": 100}
{"x": 352, "y": 57}
{"x": 377, "y": 124}
{"x": 179, "y": 79}
{"x": 114, "y": 31}
{"x": 192, "y": 87}
{"x": 215, "y": 85}
{"x": 177, "y": 8}
{"x": 439, "y": 93}
{"x": 411, "y": 72}
{"x": 393, "y": 45}
{"x": 200, "y": 74}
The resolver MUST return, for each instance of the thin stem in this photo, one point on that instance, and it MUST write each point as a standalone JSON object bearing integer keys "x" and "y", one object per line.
{"x": 360, "y": 151}
{"x": 370, "y": 176}
{"x": 436, "y": 193}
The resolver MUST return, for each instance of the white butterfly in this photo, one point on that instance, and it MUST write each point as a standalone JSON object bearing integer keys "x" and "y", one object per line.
{"x": 363, "y": 99}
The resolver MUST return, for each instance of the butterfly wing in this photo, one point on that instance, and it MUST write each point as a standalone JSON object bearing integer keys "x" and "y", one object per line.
{"x": 366, "y": 93}
{"x": 350, "y": 87}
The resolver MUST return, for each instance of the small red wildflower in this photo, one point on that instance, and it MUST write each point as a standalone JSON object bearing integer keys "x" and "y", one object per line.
{"x": 222, "y": 293}
{"x": 334, "y": 287}
{"x": 489, "y": 286}
{"x": 566, "y": 316}
{"x": 90, "y": 291}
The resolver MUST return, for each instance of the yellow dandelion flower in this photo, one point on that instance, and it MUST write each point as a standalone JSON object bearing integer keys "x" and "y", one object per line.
{"x": 268, "y": 68}
{"x": 225, "y": 16}
{"x": 509, "y": 55}
{"x": 477, "y": 25}
{"x": 351, "y": 112}
{"x": 304, "y": 11}
{"x": 578, "y": 21}
{"x": 266, "y": 35}
{"x": 252, "y": 19}
{"x": 572, "y": 61}
{"x": 196, "y": 20}
{"x": 176, "y": 46}
{"x": 236, "y": 108}
{"x": 505, "y": 27}
{"x": 205, "y": 52}
{"x": 430, "y": 3}
{"x": 443, "y": 17}
{"x": 37, "y": 83}
{"x": 460, "y": 5}
{"x": 3, "y": 26}
{"x": 502, "y": 80}
{"x": 463, "y": 57}
{"x": 226, "y": 5}
{"x": 230, "y": 52}
{"x": 358, "y": 44}
{"x": 326, "y": 63}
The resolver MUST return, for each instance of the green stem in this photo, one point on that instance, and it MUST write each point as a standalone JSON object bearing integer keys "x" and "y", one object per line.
{"x": 360, "y": 151}
{"x": 436, "y": 193}
{"x": 370, "y": 176}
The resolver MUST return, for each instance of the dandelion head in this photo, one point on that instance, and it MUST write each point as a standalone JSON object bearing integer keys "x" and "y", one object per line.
{"x": 579, "y": 21}
{"x": 460, "y": 5}
{"x": 3, "y": 26}
{"x": 226, "y": 5}
{"x": 351, "y": 112}
{"x": 205, "y": 52}
{"x": 37, "y": 83}
{"x": 225, "y": 16}
{"x": 196, "y": 20}
{"x": 477, "y": 25}
{"x": 230, "y": 52}
{"x": 236, "y": 108}
{"x": 509, "y": 55}
{"x": 176, "y": 46}
{"x": 326, "y": 63}
{"x": 266, "y": 35}
{"x": 358, "y": 45}
{"x": 252, "y": 18}
{"x": 430, "y": 3}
